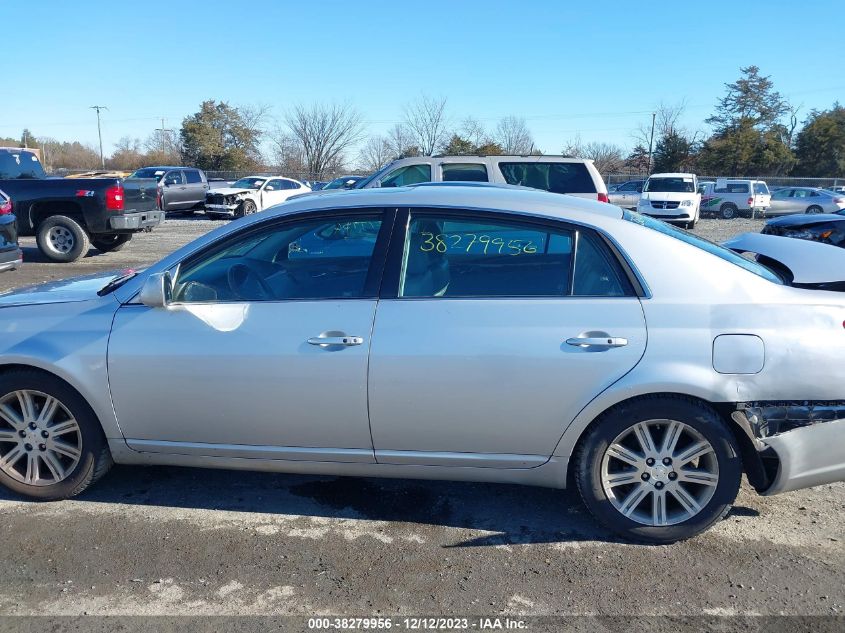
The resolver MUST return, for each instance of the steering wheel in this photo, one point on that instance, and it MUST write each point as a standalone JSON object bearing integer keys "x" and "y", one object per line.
{"x": 239, "y": 275}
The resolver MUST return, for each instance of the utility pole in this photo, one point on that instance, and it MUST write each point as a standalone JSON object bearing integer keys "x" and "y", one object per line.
{"x": 100, "y": 133}
{"x": 164, "y": 130}
{"x": 651, "y": 141}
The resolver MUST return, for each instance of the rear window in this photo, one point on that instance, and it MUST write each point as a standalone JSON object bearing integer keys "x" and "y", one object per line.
{"x": 733, "y": 187}
{"x": 554, "y": 177}
{"x": 761, "y": 188}
{"x": 693, "y": 240}
{"x": 193, "y": 175}
{"x": 464, "y": 172}
{"x": 22, "y": 164}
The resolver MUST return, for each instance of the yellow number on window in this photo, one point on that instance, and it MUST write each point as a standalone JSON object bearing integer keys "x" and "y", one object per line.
{"x": 530, "y": 248}
{"x": 429, "y": 243}
{"x": 484, "y": 239}
{"x": 498, "y": 241}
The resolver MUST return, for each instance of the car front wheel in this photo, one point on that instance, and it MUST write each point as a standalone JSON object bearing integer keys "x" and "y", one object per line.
{"x": 658, "y": 470}
{"x": 51, "y": 445}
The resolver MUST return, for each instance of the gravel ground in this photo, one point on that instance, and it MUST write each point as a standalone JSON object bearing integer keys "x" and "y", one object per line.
{"x": 183, "y": 541}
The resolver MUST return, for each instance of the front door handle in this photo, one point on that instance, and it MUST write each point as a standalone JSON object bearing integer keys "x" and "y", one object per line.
{"x": 328, "y": 341}
{"x": 597, "y": 341}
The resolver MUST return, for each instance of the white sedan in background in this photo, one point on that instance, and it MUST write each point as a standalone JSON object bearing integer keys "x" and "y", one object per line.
{"x": 250, "y": 195}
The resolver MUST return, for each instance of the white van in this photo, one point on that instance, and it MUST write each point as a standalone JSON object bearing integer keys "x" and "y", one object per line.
{"x": 671, "y": 197}
{"x": 727, "y": 198}
{"x": 573, "y": 176}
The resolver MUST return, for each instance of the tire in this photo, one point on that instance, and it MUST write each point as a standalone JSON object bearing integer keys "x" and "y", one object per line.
{"x": 73, "y": 463}
{"x": 814, "y": 208}
{"x": 62, "y": 239}
{"x": 717, "y": 472}
{"x": 111, "y": 243}
{"x": 247, "y": 208}
{"x": 727, "y": 211}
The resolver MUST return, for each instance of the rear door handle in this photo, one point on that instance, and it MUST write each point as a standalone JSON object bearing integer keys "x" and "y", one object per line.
{"x": 597, "y": 341}
{"x": 328, "y": 341}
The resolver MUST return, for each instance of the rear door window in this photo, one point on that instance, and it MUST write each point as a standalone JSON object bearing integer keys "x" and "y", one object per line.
{"x": 733, "y": 187}
{"x": 407, "y": 175}
{"x": 193, "y": 176}
{"x": 464, "y": 172}
{"x": 554, "y": 177}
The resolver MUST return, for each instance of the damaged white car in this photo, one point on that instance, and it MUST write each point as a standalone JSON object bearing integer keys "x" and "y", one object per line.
{"x": 250, "y": 195}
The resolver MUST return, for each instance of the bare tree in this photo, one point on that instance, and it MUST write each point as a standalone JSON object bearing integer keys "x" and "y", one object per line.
{"x": 473, "y": 131}
{"x": 163, "y": 148}
{"x": 324, "y": 133}
{"x": 513, "y": 136}
{"x": 401, "y": 142}
{"x": 287, "y": 153}
{"x": 666, "y": 122}
{"x": 608, "y": 158}
{"x": 426, "y": 119}
{"x": 375, "y": 154}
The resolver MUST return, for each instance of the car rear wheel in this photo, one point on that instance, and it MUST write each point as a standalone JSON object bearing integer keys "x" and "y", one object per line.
{"x": 727, "y": 211}
{"x": 62, "y": 239}
{"x": 51, "y": 444}
{"x": 814, "y": 208}
{"x": 110, "y": 243}
{"x": 658, "y": 470}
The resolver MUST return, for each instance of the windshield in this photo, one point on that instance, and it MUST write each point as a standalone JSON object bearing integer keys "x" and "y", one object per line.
{"x": 249, "y": 183}
{"x": 20, "y": 164}
{"x": 341, "y": 182}
{"x": 670, "y": 185}
{"x": 706, "y": 245}
{"x": 148, "y": 172}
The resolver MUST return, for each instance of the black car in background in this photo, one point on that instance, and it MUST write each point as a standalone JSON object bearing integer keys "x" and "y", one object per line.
{"x": 10, "y": 254}
{"x": 343, "y": 182}
{"x": 828, "y": 228}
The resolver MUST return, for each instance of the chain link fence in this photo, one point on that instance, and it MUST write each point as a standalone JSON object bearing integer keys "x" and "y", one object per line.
{"x": 772, "y": 181}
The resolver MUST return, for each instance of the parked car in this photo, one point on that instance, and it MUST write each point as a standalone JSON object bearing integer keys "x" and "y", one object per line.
{"x": 180, "y": 189}
{"x": 836, "y": 189}
{"x": 250, "y": 195}
{"x": 11, "y": 256}
{"x": 68, "y": 215}
{"x": 343, "y": 182}
{"x": 729, "y": 198}
{"x": 527, "y": 363}
{"x": 626, "y": 194}
{"x": 805, "y": 200}
{"x": 827, "y": 228}
{"x": 672, "y": 197}
{"x": 799, "y": 263}
{"x": 573, "y": 176}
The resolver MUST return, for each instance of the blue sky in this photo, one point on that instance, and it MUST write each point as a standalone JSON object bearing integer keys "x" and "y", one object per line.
{"x": 591, "y": 68}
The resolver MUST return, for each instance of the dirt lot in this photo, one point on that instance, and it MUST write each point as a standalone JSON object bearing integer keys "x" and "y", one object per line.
{"x": 183, "y": 541}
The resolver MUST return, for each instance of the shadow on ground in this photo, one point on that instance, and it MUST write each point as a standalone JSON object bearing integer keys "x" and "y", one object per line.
{"x": 506, "y": 514}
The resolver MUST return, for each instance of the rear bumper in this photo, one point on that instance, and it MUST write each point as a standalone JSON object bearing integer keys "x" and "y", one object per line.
{"x": 136, "y": 221}
{"x": 11, "y": 259}
{"x": 808, "y": 440}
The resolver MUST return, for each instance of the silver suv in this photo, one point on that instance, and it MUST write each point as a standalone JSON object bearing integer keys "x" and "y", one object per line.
{"x": 573, "y": 176}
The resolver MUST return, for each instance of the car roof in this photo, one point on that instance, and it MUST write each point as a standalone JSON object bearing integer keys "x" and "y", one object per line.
{"x": 476, "y": 196}
{"x": 674, "y": 174}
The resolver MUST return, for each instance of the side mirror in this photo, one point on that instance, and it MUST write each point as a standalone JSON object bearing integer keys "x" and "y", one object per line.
{"x": 157, "y": 290}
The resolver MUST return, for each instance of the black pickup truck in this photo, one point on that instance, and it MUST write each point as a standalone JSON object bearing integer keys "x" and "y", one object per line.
{"x": 67, "y": 215}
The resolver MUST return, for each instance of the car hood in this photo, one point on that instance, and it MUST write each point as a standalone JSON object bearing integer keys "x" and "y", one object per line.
{"x": 805, "y": 219}
{"x": 62, "y": 291}
{"x": 667, "y": 196}
{"x": 809, "y": 262}
{"x": 228, "y": 191}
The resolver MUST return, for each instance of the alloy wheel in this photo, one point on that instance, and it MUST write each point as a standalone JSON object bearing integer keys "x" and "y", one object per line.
{"x": 40, "y": 440}
{"x": 659, "y": 472}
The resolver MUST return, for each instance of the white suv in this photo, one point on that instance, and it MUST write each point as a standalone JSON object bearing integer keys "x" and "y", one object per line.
{"x": 728, "y": 198}
{"x": 671, "y": 197}
{"x": 573, "y": 176}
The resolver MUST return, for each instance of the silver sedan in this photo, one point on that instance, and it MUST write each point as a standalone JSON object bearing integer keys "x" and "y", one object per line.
{"x": 805, "y": 200}
{"x": 448, "y": 332}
